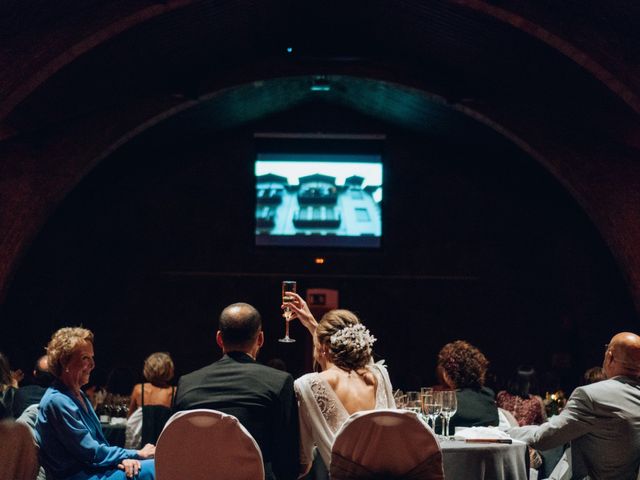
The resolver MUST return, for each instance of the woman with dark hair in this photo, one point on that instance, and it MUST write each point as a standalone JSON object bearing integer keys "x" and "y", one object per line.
{"x": 464, "y": 369}
{"x": 7, "y": 386}
{"x": 520, "y": 399}
{"x": 349, "y": 381}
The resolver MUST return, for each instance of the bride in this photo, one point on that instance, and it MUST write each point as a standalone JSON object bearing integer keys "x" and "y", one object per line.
{"x": 349, "y": 381}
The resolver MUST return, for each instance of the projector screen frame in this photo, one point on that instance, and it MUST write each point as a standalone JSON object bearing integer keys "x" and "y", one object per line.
{"x": 359, "y": 147}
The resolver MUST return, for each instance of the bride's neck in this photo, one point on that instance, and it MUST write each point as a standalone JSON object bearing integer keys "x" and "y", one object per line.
{"x": 349, "y": 372}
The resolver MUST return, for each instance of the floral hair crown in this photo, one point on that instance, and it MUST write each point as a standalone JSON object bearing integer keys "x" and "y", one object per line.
{"x": 356, "y": 336}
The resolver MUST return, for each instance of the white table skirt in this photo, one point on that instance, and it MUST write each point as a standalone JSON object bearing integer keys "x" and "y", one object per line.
{"x": 484, "y": 461}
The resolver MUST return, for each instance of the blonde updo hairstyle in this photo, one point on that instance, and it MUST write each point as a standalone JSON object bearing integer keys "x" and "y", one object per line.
{"x": 348, "y": 356}
{"x": 62, "y": 345}
{"x": 158, "y": 369}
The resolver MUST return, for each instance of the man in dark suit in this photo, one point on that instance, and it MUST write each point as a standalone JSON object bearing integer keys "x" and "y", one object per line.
{"x": 31, "y": 394}
{"x": 261, "y": 397}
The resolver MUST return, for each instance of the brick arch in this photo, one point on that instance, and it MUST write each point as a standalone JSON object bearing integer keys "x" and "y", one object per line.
{"x": 46, "y": 62}
{"x": 39, "y": 169}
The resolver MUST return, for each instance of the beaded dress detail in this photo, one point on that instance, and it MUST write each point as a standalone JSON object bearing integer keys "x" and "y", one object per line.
{"x": 322, "y": 414}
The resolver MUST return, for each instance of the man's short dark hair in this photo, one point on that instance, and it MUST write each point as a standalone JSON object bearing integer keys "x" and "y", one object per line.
{"x": 239, "y": 325}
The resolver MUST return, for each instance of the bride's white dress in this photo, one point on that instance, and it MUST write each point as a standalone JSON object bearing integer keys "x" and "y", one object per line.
{"x": 322, "y": 414}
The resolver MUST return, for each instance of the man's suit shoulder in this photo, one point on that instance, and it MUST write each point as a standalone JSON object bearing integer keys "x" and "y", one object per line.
{"x": 263, "y": 372}
{"x": 196, "y": 374}
{"x": 272, "y": 374}
{"x": 612, "y": 389}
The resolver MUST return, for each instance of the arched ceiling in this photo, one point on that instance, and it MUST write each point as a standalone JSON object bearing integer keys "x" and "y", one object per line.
{"x": 78, "y": 80}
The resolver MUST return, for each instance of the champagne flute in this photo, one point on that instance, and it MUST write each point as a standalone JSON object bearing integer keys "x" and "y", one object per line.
{"x": 449, "y": 408}
{"x": 432, "y": 406}
{"x": 287, "y": 286}
{"x": 423, "y": 393}
{"x": 413, "y": 402}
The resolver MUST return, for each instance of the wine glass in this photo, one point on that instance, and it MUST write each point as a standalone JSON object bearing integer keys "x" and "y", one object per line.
{"x": 287, "y": 286}
{"x": 432, "y": 406}
{"x": 413, "y": 402}
{"x": 449, "y": 408}
{"x": 423, "y": 392}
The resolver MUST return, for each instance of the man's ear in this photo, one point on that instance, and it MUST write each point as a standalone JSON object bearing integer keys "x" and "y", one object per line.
{"x": 219, "y": 340}
{"x": 260, "y": 340}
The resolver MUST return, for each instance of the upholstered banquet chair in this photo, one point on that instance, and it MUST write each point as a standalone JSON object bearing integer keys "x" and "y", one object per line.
{"x": 385, "y": 444}
{"x": 18, "y": 453}
{"x": 207, "y": 445}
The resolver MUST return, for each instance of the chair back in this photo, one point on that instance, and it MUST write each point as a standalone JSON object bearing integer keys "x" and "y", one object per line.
{"x": 507, "y": 420}
{"x": 18, "y": 453}
{"x": 385, "y": 444}
{"x": 207, "y": 445}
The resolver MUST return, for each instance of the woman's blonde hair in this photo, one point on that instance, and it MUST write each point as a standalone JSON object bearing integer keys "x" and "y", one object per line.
{"x": 158, "y": 369}
{"x": 349, "y": 346}
{"x": 62, "y": 345}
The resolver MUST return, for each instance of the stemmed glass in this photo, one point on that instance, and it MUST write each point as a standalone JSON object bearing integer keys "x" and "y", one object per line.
{"x": 400, "y": 398}
{"x": 287, "y": 286}
{"x": 432, "y": 406}
{"x": 449, "y": 408}
{"x": 413, "y": 402}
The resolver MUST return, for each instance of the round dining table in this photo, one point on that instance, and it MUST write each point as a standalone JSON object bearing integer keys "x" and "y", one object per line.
{"x": 484, "y": 461}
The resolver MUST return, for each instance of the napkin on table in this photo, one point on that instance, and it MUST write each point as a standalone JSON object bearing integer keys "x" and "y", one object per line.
{"x": 481, "y": 433}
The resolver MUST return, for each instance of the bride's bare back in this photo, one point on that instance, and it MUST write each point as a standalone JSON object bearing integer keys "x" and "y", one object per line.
{"x": 355, "y": 390}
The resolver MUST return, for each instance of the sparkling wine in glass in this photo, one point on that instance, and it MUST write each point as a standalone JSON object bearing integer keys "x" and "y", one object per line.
{"x": 287, "y": 287}
{"x": 449, "y": 408}
{"x": 432, "y": 406}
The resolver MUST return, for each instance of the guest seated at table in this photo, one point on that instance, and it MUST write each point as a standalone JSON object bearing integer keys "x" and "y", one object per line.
{"x": 68, "y": 432}
{"x": 32, "y": 393}
{"x": 8, "y": 385}
{"x": 593, "y": 375}
{"x": 464, "y": 368}
{"x": 151, "y": 403}
{"x": 260, "y": 397}
{"x": 520, "y": 398}
{"x": 349, "y": 381}
{"x": 601, "y": 420}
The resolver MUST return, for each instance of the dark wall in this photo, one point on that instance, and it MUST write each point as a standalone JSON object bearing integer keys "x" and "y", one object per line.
{"x": 480, "y": 243}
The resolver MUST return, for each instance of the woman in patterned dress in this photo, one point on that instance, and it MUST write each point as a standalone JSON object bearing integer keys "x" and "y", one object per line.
{"x": 519, "y": 398}
{"x": 349, "y": 381}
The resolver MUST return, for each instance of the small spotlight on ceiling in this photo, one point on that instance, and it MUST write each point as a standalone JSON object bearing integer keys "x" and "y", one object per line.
{"x": 320, "y": 84}
{"x": 318, "y": 260}
{"x": 289, "y": 49}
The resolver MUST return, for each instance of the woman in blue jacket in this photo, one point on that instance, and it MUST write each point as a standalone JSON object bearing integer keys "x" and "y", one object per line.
{"x": 72, "y": 444}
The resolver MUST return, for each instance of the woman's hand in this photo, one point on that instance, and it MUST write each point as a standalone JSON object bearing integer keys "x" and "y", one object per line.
{"x": 300, "y": 309}
{"x": 148, "y": 451}
{"x": 130, "y": 466}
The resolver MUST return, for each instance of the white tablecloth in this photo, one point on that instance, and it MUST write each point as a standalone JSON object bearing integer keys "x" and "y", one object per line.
{"x": 484, "y": 461}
